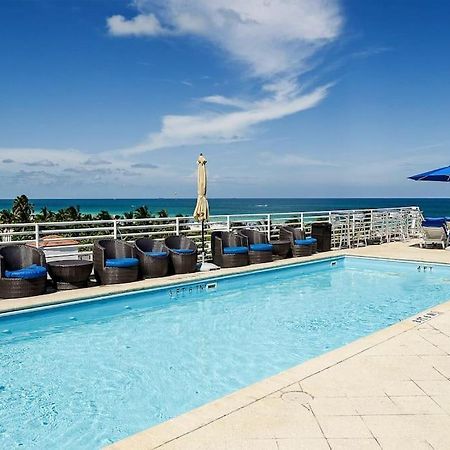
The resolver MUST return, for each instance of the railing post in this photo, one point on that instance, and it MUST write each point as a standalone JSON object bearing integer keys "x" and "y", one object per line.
{"x": 228, "y": 223}
{"x": 301, "y": 220}
{"x": 36, "y": 234}
{"x": 269, "y": 226}
{"x": 115, "y": 228}
{"x": 177, "y": 226}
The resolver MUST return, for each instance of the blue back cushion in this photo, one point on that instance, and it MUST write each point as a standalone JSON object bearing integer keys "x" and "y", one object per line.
{"x": 235, "y": 250}
{"x": 261, "y": 247}
{"x": 27, "y": 273}
{"x": 156, "y": 254}
{"x": 183, "y": 250}
{"x": 122, "y": 262}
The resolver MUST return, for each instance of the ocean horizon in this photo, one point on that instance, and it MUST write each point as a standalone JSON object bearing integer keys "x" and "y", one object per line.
{"x": 219, "y": 206}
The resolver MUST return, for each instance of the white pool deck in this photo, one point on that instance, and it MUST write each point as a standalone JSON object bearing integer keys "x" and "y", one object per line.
{"x": 388, "y": 390}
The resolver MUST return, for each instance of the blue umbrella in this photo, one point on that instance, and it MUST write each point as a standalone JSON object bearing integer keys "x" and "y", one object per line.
{"x": 442, "y": 174}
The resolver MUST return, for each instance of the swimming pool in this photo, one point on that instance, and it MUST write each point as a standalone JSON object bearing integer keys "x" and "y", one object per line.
{"x": 85, "y": 375}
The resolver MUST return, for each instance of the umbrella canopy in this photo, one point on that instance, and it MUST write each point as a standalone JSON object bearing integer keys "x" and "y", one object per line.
{"x": 201, "y": 212}
{"x": 442, "y": 174}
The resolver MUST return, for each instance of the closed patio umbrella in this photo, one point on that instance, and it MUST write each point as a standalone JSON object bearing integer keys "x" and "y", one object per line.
{"x": 201, "y": 212}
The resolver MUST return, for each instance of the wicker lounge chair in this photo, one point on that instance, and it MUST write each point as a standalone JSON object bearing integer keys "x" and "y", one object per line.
{"x": 300, "y": 245}
{"x": 115, "y": 262}
{"x": 259, "y": 249}
{"x": 23, "y": 271}
{"x": 229, "y": 249}
{"x": 183, "y": 254}
{"x": 153, "y": 258}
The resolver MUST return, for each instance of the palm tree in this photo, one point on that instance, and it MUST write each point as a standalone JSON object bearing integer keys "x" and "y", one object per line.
{"x": 142, "y": 212}
{"x": 22, "y": 209}
{"x": 6, "y": 216}
{"x": 73, "y": 213}
{"x": 128, "y": 215}
{"x": 163, "y": 213}
{"x": 45, "y": 215}
{"x": 103, "y": 215}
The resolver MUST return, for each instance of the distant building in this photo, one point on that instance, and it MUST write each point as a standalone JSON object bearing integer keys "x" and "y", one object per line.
{"x": 58, "y": 247}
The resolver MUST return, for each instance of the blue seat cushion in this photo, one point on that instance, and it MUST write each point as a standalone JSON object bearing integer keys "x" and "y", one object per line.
{"x": 307, "y": 241}
{"x": 261, "y": 247}
{"x": 122, "y": 262}
{"x": 156, "y": 254}
{"x": 235, "y": 250}
{"x": 183, "y": 250}
{"x": 27, "y": 273}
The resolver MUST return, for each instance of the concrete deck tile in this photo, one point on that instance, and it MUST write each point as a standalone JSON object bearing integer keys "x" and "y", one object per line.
{"x": 443, "y": 401}
{"x": 343, "y": 427}
{"x": 303, "y": 444}
{"x": 402, "y": 388}
{"x": 400, "y": 367}
{"x": 416, "y": 427}
{"x": 441, "y": 364}
{"x": 417, "y": 405}
{"x": 354, "y": 444}
{"x": 333, "y": 406}
{"x": 404, "y": 443}
{"x": 435, "y": 387}
{"x": 374, "y": 405}
{"x": 410, "y": 343}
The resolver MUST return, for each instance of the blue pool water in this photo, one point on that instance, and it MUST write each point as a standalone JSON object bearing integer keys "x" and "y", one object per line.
{"x": 85, "y": 375}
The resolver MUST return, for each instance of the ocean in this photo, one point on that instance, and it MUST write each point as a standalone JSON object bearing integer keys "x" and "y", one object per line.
{"x": 430, "y": 206}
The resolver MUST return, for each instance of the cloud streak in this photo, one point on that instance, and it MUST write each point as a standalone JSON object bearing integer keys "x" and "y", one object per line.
{"x": 225, "y": 127}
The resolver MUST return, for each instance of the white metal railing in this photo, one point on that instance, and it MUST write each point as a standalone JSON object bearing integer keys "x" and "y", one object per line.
{"x": 350, "y": 228}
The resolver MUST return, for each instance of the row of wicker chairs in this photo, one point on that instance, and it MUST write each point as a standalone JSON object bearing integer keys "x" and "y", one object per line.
{"x": 23, "y": 269}
{"x": 230, "y": 249}
{"x": 117, "y": 261}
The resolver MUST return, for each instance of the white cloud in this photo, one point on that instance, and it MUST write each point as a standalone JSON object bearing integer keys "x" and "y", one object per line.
{"x": 294, "y": 160}
{"x": 141, "y": 25}
{"x": 225, "y": 127}
{"x": 273, "y": 39}
{"x": 71, "y": 165}
{"x": 269, "y": 36}
{"x": 225, "y": 101}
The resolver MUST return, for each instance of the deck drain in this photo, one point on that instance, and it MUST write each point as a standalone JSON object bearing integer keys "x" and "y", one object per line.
{"x": 297, "y": 397}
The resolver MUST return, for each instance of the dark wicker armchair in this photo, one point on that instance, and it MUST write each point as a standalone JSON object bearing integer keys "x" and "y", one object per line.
{"x": 115, "y": 262}
{"x": 23, "y": 271}
{"x": 229, "y": 249}
{"x": 300, "y": 244}
{"x": 183, "y": 254}
{"x": 259, "y": 249}
{"x": 153, "y": 258}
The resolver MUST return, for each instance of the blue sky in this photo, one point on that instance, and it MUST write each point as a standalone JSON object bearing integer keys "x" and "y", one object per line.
{"x": 295, "y": 98}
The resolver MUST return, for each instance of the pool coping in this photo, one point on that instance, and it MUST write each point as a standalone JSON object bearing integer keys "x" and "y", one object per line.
{"x": 167, "y": 432}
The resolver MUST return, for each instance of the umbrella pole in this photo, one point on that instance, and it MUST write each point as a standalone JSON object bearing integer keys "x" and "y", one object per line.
{"x": 203, "y": 241}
